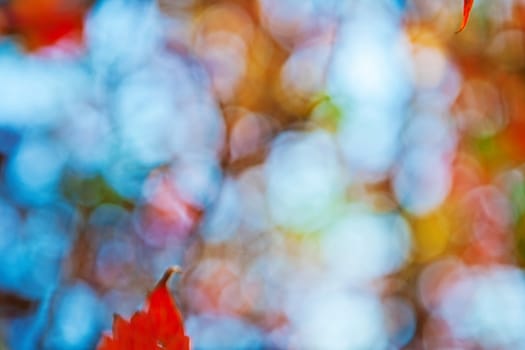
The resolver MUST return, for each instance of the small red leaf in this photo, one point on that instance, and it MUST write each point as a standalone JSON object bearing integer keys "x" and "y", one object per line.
{"x": 158, "y": 326}
{"x": 467, "y": 7}
{"x": 42, "y": 23}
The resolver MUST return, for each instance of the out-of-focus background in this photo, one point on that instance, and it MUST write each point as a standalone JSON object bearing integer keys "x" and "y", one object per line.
{"x": 329, "y": 174}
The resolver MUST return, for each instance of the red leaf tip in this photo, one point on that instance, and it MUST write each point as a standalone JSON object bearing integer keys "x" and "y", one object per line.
{"x": 467, "y": 7}
{"x": 170, "y": 271}
{"x": 158, "y": 326}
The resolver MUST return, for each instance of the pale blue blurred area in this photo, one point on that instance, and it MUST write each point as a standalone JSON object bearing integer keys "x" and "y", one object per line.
{"x": 305, "y": 201}
{"x": 77, "y": 319}
{"x": 53, "y": 87}
{"x": 370, "y": 78}
{"x": 211, "y": 332}
{"x": 332, "y": 315}
{"x": 34, "y": 171}
{"x": 473, "y": 306}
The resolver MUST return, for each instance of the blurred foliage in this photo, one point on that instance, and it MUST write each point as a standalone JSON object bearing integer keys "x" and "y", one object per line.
{"x": 319, "y": 169}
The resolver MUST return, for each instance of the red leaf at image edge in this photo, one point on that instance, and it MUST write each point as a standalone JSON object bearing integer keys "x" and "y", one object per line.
{"x": 467, "y": 7}
{"x": 158, "y": 326}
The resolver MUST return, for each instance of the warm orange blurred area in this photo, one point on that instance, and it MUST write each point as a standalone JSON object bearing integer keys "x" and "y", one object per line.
{"x": 328, "y": 174}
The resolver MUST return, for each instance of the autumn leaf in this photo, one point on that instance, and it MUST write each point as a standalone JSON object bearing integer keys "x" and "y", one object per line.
{"x": 42, "y": 23}
{"x": 158, "y": 326}
{"x": 467, "y": 7}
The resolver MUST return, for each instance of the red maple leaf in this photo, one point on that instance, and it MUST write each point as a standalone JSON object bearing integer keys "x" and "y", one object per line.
{"x": 158, "y": 326}
{"x": 467, "y": 6}
{"x": 42, "y": 23}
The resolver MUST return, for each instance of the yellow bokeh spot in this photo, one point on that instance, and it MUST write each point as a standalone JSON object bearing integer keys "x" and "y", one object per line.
{"x": 431, "y": 235}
